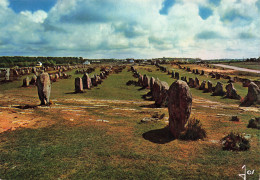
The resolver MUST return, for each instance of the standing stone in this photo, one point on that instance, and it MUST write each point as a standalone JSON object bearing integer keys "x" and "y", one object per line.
{"x": 151, "y": 84}
{"x": 34, "y": 70}
{"x": 146, "y": 81}
{"x": 172, "y": 74}
{"x": 231, "y": 92}
{"x": 26, "y": 82}
{"x": 253, "y": 95}
{"x": 156, "y": 89}
{"x": 197, "y": 71}
{"x": 197, "y": 82}
{"x": 217, "y": 76}
{"x": 140, "y": 80}
{"x": 191, "y": 83}
{"x": 162, "y": 99}
{"x": 202, "y": 85}
{"x": 7, "y": 74}
{"x": 15, "y": 72}
{"x": 57, "y": 76}
{"x": 78, "y": 85}
{"x": 202, "y": 72}
{"x": 177, "y": 75}
{"x": 246, "y": 82}
{"x": 218, "y": 91}
{"x": 210, "y": 86}
{"x": 33, "y": 80}
{"x": 93, "y": 81}
{"x": 179, "y": 107}
{"x": 44, "y": 88}
{"x": 86, "y": 81}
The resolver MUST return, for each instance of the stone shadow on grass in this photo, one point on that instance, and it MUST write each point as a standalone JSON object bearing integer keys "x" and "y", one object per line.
{"x": 159, "y": 136}
{"x": 75, "y": 92}
{"x": 150, "y": 106}
{"x": 26, "y": 107}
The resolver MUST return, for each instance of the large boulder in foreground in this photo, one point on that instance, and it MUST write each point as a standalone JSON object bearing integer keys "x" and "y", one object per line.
{"x": 43, "y": 84}
{"x": 253, "y": 95}
{"x": 179, "y": 107}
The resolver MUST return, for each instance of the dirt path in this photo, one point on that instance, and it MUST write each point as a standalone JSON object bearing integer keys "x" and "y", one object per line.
{"x": 237, "y": 68}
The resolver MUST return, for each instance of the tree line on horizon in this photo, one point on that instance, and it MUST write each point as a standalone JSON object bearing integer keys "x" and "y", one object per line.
{"x": 23, "y": 61}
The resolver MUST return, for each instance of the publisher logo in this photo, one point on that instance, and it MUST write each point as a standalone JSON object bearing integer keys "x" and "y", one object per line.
{"x": 246, "y": 172}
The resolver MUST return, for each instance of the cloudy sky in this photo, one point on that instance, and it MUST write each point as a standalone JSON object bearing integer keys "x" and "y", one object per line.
{"x": 207, "y": 29}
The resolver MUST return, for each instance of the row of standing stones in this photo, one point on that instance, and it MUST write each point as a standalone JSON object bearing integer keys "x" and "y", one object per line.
{"x": 252, "y": 97}
{"x": 14, "y": 73}
{"x": 178, "y": 97}
{"x": 86, "y": 82}
{"x": 43, "y": 81}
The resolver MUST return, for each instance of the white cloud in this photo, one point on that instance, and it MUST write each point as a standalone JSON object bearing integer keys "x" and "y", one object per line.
{"x": 4, "y": 3}
{"x": 38, "y": 16}
{"x": 132, "y": 28}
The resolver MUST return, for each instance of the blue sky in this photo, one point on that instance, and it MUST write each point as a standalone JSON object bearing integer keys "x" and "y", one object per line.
{"x": 207, "y": 29}
{"x": 31, "y": 5}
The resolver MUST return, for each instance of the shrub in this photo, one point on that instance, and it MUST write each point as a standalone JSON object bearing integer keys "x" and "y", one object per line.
{"x": 235, "y": 142}
{"x": 234, "y": 118}
{"x": 254, "y": 123}
{"x": 194, "y": 131}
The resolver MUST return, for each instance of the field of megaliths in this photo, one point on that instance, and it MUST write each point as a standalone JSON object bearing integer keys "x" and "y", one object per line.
{"x": 140, "y": 120}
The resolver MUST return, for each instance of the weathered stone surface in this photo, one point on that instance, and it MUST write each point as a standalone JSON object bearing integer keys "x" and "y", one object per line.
{"x": 162, "y": 98}
{"x": 94, "y": 81}
{"x": 152, "y": 80}
{"x": 253, "y": 95}
{"x": 78, "y": 85}
{"x": 231, "y": 80}
{"x": 218, "y": 91}
{"x": 177, "y": 75}
{"x": 197, "y": 82}
{"x": 86, "y": 81}
{"x": 202, "y": 85}
{"x": 191, "y": 83}
{"x": 57, "y": 76}
{"x": 179, "y": 107}
{"x": 140, "y": 80}
{"x": 7, "y": 74}
{"x": 44, "y": 88}
{"x": 146, "y": 81}
{"x": 231, "y": 92}
{"x": 172, "y": 74}
{"x": 246, "y": 82}
{"x": 15, "y": 72}
{"x": 217, "y": 76}
{"x": 156, "y": 89}
{"x": 26, "y": 82}
{"x": 33, "y": 80}
{"x": 210, "y": 86}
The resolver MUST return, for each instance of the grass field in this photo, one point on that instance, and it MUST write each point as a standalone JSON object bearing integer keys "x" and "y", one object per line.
{"x": 98, "y": 134}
